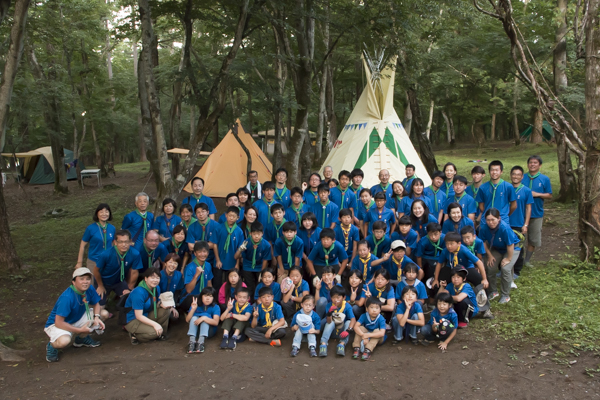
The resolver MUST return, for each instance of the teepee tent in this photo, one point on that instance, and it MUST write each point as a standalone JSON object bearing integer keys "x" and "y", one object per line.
{"x": 38, "y": 165}
{"x": 224, "y": 171}
{"x": 373, "y": 138}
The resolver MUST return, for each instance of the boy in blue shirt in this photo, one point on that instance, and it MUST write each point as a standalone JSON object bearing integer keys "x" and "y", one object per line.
{"x": 428, "y": 251}
{"x": 477, "y": 174}
{"x": 341, "y": 195}
{"x": 306, "y": 322}
{"x": 287, "y": 250}
{"x": 72, "y": 315}
{"x": 519, "y": 219}
{"x": 297, "y": 209}
{"x": 379, "y": 242}
{"x": 255, "y": 254}
{"x": 463, "y": 296}
{"x": 497, "y": 193}
{"x": 228, "y": 238}
{"x": 139, "y": 221}
{"x": 442, "y": 324}
{"x": 541, "y": 190}
{"x": 467, "y": 203}
{"x": 366, "y": 262}
{"x": 347, "y": 234}
{"x": 364, "y": 205}
{"x": 236, "y": 317}
{"x": 204, "y": 229}
{"x": 197, "y": 275}
{"x": 379, "y": 213}
{"x": 409, "y": 236}
{"x": 454, "y": 255}
{"x": 407, "y": 182}
{"x": 339, "y": 321}
{"x": 369, "y": 330}
{"x": 151, "y": 253}
{"x": 326, "y": 211}
{"x": 267, "y": 320}
{"x": 264, "y": 205}
{"x": 397, "y": 260}
{"x": 232, "y": 200}
{"x": 436, "y": 195}
{"x": 198, "y": 198}
{"x": 282, "y": 193}
{"x": 328, "y": 253}
{"x": 356, "y": 176}
{"x": 472, "y": 242}
{"x": 273, "y": 230}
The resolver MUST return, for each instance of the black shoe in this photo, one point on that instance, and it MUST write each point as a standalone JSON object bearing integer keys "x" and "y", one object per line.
{"x": 231, "y": 345}
{"x": 162, "y": 338}
{"x": 225, "y": 342}
{"x": 134, "y": 340}
{"x": 191, "y": 347}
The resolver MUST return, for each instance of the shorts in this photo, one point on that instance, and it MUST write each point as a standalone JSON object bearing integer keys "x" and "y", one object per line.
{"x": 118, "y": 289}
{"x": 54, "y": 333}
{"x": 534, "y": 233}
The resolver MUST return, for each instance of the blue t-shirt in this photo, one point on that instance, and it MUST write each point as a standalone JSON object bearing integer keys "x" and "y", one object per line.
{"x": 389, "y": 192}
{"x": 451, "y": 316}
{"x": 282, "y": 196}
{"x": 165, "y": 226}
{"x": 421, "y": 289}
{"x": 365, "y": 268}
{"x": 245, "y": 309}
{"x": 395, "y": 203}
{"x": 362, "y": 210}
{"x": 273, "y": 231}
{"x": 478, "y": 247}
{"x": 500, "y": 238}
{"x": 335, "y": 253}
{"x": 336, "y": 194}
{"x": 360, "y": 294}
{"x": 540, "y": 184}
{"x": 192, "y": 201}
{"x": 134, "y": 223}
{"x": 346, "y": 310}
{"x": 140, "y": 299}
{"x": 378, "y": 249}
{"x": 173, "y": 283}
{"x": 301, "y": 288}
{"x": 347, "y": 240}
{"x": 464, "y": 256}
{"x": 316, "y": 320}
{"x": 383, "y": 295}
{"x": 324, "y": 291}
{"x": 264, "y": 211}
{"x": 372, "y": 324}
{"x": 311, "y": 197}
{"x": 437, "y": 199}
{"x": 202, "y": 282}
{"x": 223, "y": 217}
{"x": 98, "y": 241}
{"x": 386, "y": 215}
{"x": 430, "y": 250}
{"x": 407, "y": 183}
{"x": 274, "y": 311}
{"x": 71, "y": 307}
{"x": 447, "y": 188}
{"x": 150, "y": 257}
{"x": 524, "y": 197}
{"x": 472, "y": 191}
{"x": 169, "y": 247}
{"x": 392, "y": 267}
{"x": 414, "y": 309}
{"x": 296, "y": 215}
{"x": 504, "y": 195}
{"x": 451, "y": 226}
{"x": 310, "y": 239}
{"x": 408, "y": 201}
{"x": 236, "y": 239}
{"x": 109, "y": 264}
{"x": 274, "y": 287}
{"x": 469, "y": 292}
{"x": 207, "y": 311}
{"x": 263, "y": 252}
{"x": 467, "y": 203}
{"x": 411, "y": 239}
{"x": 207, "y": 232}
{"x": 295, "y": 249}
{"x": 421, "y": 227}
{"x": 326, "y": 215}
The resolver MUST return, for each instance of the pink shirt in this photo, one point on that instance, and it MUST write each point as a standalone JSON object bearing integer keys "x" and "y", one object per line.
{"x": 222, "y": 296}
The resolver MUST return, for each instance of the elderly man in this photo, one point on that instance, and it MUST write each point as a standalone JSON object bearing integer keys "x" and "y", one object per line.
{"x": 150, "y": 251}
{"x": 73, "y": 317}
{"x": 139, "y": 221}
{"x": 384, "y": 184}
{"x": 327, "y": 173}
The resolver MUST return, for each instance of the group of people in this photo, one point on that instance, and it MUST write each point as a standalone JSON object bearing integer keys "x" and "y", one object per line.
{"x": 330, "y": 258}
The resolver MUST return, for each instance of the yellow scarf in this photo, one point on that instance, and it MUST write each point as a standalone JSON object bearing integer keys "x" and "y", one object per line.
{"x": 399, "y": 266}
{"x": 267, "y": 311}
{"x": 380, "y": 292}
{"x": 365, "y": 264}
{"x": 346, "y": 236}
{"x": 297, "y": 293}
{"x": 459, "y": 289}
{"x": 239, "y": 310}
{"x": 341, "y": 309}
{"x": 455, "y": 260}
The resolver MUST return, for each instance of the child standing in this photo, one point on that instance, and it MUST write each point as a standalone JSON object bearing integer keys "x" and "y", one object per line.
{"x": 287, "y": 250}
{"x": 442, "y": 322}
{"x": 306, "y": 322}
{"x": 339, "y": 322}
{"x": 264, "y": 204}
{"x": 436, "y": 195}
{"x": 369, "y": 330}
{"x": 203, "y": 320}
{"x": 229, "y": 237}
{"x": 409, "y": 315}
{"x": 409, "y": 236}
{"x": 255, "y": 254}
{"x": 328, "y": 253}
{"x": 267, "y": 320}
{"x": 379, "y": 213}
{"x": 365, "y": 204}
{"x": 341, "y": 195}
{"x": 347, "y": 234}
{"x": 236, "y": 317}
{"x": 297, "y": 209}
{"x": 325, "y": 211}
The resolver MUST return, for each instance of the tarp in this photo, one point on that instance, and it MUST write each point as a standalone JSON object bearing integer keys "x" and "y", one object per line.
{"x": 38, "y": 165}
{"x": 224, "y": 171}
{"x": 186, "y": 151}
{"x": 547, "y": 132}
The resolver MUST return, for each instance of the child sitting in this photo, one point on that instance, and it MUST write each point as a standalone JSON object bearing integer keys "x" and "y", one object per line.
{"x": 339, "y": 321}
{"x": 383, "y": 290}
{"x": 236, "y": 316}
{"x": 287, "y": 250}
{"x": 355, "y": 295}
{"x": 465, "y": 301}
{"x": 429, "y": 249}
{"x": 365, "y": 262}
{"x": 398, "y": 260}
{"x": 290, "y": 301}
{"x": 267, "y": 278}
{"x": 322, "y": 290}
{"x": 230, "y": 288}
{"x": 203, "y": 320}
{"x": 306, "y": 322}
{"x": 379, "y": 242}
{"x": 409, "y": 278}
{"x": 454, "y": 255}
{"x": 409, "y": 236}
{"x": 267, "y": 320}
{"x": 369, "y": 330}
{"x": 408, "y": 311}
{"x": 442, "y": 322}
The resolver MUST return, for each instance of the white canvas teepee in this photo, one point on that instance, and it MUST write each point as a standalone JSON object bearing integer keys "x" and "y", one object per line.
{"x": 373, "y": 138}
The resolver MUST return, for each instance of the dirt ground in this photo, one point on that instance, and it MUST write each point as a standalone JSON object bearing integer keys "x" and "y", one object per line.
{"x": 474, "y": 367}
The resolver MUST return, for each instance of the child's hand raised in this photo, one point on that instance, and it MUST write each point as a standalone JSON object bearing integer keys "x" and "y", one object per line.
{"x": 386, "y": 256}
{"x": 317, "y": 282}
{"x": 255, "y": 313}
{"x": 367, "y": 292}
{"x": 194, "y": 303}
{"x": 443, "y": 284}
{"x": 230, "y": 304}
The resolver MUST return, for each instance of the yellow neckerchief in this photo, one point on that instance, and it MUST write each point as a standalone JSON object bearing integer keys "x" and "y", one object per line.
{"x": 346, "y": 233}
{"x": 365, "y": 264}
{"x": 459, "y": 289}
{"x": 456, "y": 256}
{"x": 267, "y": 311}
{"x": 297, "y": 293}
{"x": 342, "y": 308}
{"x": 399, "y": 266}
{"x": 238, "y": 309}
{"x": 380, "y": 291}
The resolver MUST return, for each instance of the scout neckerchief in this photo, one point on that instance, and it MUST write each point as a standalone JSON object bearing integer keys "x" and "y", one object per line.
{"x": 143, "y": 216}
{"x": 346, "y": 233}
{"x": 267, "y": 311}
{"x": 122, "y": 258}
{"x": 280, "y": 195}
{"x": 357, "y": 190}
{"x": 103, "y": 232}
{"x": 384, "y": 189}
{"x": 435, "y": 245}
{"x": 397, "y": 200}
{"x": 475, "y": 190}
{"x": 448, "y": 186}
{"x": 398, "y": 266}
{"x": 202, "y": 274}
{"x": 494, "y": 188}
{"x": 531, "y": 178}
{"x": 297, "y": 211}
{"x": 471, "y": 247}
{"x": 458, "y": 289}
{"x": 380, "y": 213}
{"x": 379, "y": 291}
{"x": 324, "y": 213}
{"x": 152, "y": 294}
{"x": 197, "y": 198}
{"x": 278, "y": 227}
{"x": 327, "y": 251}
{"x": 460, "y": 198}
{"x": 377, "y": 243}
{"x": 365, "y": 265}
{"x": 88, "y": 312}
{"x": 229, "y": 233}
{"x": 150, "y": 255}
{"x": 204, "y": 225}
{"x": 175, "y": 245}
{"x": 168, "y": 222}
{"x": 289, "y": 244}
{"x": 406, "y": 181}
{"x": 315, "y": 195}
{"x": 239, "y": 309}
{"x": 247, "y": 230}
{"x": 297, "y": 293}
{"x": 371, "y": 204}
{"x": 343, "y": 194}
{"x": 255, "y": 246}
{"x": 269, "y": 205}
{"x": 252, "y": 192}
{"x": 454, "y": 262}
{"x": 187, "y": 225}
{"x": 340, "y": 310}
{"x": 521, "y": 186}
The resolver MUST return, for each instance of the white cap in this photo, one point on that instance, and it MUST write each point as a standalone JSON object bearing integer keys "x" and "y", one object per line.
{"x": 81, "y": 271}
{"x": 166, "y": 298}
{"x": 396, "y": 244}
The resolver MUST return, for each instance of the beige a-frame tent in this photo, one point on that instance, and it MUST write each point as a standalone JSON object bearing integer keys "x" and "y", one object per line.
{"x": 373, "y": 138}
{"x": 224, "y": 171}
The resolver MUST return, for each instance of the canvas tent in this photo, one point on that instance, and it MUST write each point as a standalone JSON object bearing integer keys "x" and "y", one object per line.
{"x": 547, "y": 132}
{"x": 224, "y": 171}
{"x": 37, "y": 166}
{"x": 373, "y": 137}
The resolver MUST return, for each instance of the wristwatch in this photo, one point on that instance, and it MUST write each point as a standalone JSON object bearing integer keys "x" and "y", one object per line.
{"x": 97, "y": 315}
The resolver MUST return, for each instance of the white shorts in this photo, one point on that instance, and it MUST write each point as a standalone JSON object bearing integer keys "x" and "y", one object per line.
{"x": 54, "y": 333}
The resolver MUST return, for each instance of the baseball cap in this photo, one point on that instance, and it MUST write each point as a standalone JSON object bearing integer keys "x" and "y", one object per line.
{"x": 81, "y": 271}
{"x": 396, "y": 244}
{"x": 166, "y": 298}
{"x": 459, "y": 269}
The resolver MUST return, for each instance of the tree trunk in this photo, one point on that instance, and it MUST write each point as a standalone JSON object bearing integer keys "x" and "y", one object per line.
{"x": 322, "y": 114}
{"x": 429, "y": 122}
{"x": 192, "y": 127}
{"x": 332, "y": 119}
{"x": 234, "y": 130}
{"x": 479, "y": 134}
{"x": 408, "y": 118}
{"x": 140, "y": 123}
{"x": 427, "y": 155}
{"x": 493, "y": 131}
{"x": 96, "y": 147}
{"x": 516, "y": 132}
{"x": 449, "y": 127}
{"x": 538, "y": 120}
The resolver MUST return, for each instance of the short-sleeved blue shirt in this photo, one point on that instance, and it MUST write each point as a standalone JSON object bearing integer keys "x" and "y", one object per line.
{"x": 415, "y": 309}
{"x": 273, "y": 231}
{"x": 147, "y": 256}
{"x": 140, "y": 299}
{"x": 98, "y": 241}
{"x": 504, "y": 195}
{"x": 383, "y": 295}
{"x": 188, "y": 276}
{"x": 282, "y": 196}
{"x": 389, "y": 192}
{"x": 169, "y": 247}
{"x": 392, "y": 267}
{"x": 324, "y": 291}
{"x": 371, "y": 325}
{"x": 470, "y": 294}
{"x": 381, "y": 247}
{"x": 165, "y": 225}
{"x": 447, "y": 188}
{"x": 347, "y": 310}
{"x": 408, "y": 201}
{"x": 500, "y": 238}
{"x": 336, "y": 255}
{"x": 283, "y": 249}
{"x": 275, "y": 287}
{"x": 411, "y": 239}
{"x": 264, "y": 211}
{"x": 524, "y": 197}
{"x": 316, "y": 320}
{"x": 467, "y": 203}
{"x": 326, "y": 215}
{"x": 71, "y": 307}
{"x": 450, "y": 316}
{"x": 275, "y": 314}
{"x": 365, "y": 269}
{"x": 451, "y": 226}
{"x": 134, "y": 223}
{"x": 311, "y": 197}
{"x": 263, "y": 252}
{"x": 437, "y": 199}
{"x": 362, "y": 210}
{"x": 420, "y": 286}
{"x": 109, "y": 264}
{"x": 464, "y": 256}
{"x": 310, "y": 239}
{"x": 173, "y": 283}
{"x": 236, "y": 239}
{"x": 208, "y": 233}
{"x": 347, "y": 240}
{"x": 430, "y": 250}
{"x": 478, "y": 247}
{"x": 192, "y": 201}
{"x": 336, "y": 194}
{"x": 540, "y": 184}
{"x": 386, "y": 215}
{"x": 421, "y": 227}
{"x": 207, "y": 311}
{"x": 296, "y": 215}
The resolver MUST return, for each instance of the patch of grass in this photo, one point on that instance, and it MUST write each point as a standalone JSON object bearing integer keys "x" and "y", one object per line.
{"x": 556, "y": 302}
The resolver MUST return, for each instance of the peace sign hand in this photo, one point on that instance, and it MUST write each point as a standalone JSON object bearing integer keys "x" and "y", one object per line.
{"x": 194, "y": 303}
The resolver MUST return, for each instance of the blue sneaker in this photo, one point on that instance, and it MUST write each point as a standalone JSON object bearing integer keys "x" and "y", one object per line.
{"x": 85, "y": 342}
{"x": 515, "y": 277}
{"x": 51, "y": 353}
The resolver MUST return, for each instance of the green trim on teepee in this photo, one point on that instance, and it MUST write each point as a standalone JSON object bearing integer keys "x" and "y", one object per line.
{"x": 370, "y": 146}
{"x": 394, "y": 147}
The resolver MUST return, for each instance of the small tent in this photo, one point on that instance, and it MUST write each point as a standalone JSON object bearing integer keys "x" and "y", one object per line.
{"x": 38, "y": 165}
{"x": 224, "y": 171}
{"x": 373, "y": 138}
{"x": 547, "y": 132}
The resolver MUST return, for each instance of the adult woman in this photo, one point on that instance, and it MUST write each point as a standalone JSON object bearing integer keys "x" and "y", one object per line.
{"x": 420, "y": 217}
{"x": 449, "y": 170}
{"x": 99, "y": 236}
{"x": 395, "y": 202}
{"x": 250, "y": 215}
{"x": 187, "y": 215}
{"x": 171, "y": 280}
{"x": 456, "y": 220}
{"x": 417, "y": 193}
{"x": 176, "y": 244}
{"x": 499, "y": 241}
{"x": 165, "y": 223}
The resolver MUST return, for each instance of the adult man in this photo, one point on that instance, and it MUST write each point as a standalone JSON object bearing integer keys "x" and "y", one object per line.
{"x": 151, "y": 252}
{"x": 327, "y": 174}
{"x": 497, "y": 193}
{"x": 254, "y": 186}
{"x": 72, "y": 316}
{"x": 139, "y": 221}
{"x": 384, "y": 184}
{"x": 541, "y": 189}
{"x": 282, "y": 193}
{"x": 519, "y": 219}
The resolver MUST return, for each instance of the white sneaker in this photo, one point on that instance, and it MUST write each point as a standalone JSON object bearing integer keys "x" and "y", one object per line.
{"x": 513, "y": 285}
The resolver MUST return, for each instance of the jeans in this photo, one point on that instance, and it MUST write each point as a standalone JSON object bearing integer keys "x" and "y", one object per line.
{"x": 320, "y": 307}
{"x": 427, "y": 332}
{"x": 329, "y": 329}
{"x": 410, "y": 328}
{"x": 311, "y": 337}
{"x": 506, "y": 273}
{"x": 203, "y": 329}
{"x": 358, "y": 311}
